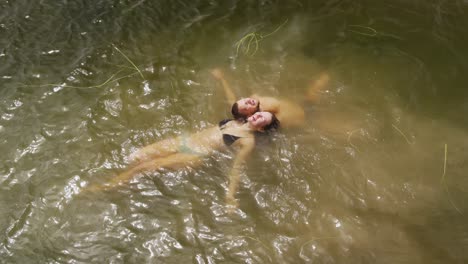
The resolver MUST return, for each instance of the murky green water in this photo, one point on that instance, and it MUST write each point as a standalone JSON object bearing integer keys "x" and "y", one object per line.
{"x": 378, "y": 174}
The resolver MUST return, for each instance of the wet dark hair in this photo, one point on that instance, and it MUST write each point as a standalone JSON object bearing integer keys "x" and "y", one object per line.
{"x": 266, "y": 136}
{"x": 274, "y": 125}
{"x": 235, "y": 111}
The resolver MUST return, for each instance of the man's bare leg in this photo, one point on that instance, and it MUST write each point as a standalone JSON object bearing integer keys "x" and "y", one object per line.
{"x": 316, "y": 88}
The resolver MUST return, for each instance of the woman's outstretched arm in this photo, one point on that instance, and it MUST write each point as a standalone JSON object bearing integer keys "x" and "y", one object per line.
{"x": 247, "y": 146}
{"x": 219, "y": 75}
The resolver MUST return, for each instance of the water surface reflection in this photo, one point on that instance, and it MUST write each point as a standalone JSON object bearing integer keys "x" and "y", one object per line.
{"x": 366, "y": 180}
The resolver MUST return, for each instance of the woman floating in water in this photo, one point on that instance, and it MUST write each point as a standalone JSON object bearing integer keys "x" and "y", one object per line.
{"x": 189, "y": 150}
{"x": 289, "y": 113}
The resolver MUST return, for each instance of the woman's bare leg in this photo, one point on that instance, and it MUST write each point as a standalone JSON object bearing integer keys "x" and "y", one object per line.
{"x": 159, "y": 149}
{"x": 171, "y": 162}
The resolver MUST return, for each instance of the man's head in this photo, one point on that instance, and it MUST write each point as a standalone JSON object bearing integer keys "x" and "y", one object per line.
{"x": 245, "y": 107}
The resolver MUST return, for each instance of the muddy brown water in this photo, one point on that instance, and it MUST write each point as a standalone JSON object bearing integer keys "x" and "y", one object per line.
{"x": 376, "y": 175}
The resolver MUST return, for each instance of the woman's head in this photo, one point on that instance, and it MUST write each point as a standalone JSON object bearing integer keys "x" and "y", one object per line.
{"x": 263, "y": 121}
{"x": 245, "y": 107}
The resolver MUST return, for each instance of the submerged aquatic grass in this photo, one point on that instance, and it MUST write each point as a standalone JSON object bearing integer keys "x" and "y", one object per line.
{"x": 362, "y": 30}
{"x": 253, "y": 39}
{"x": 403, "y": 134}
{"x": 349, "y": 139}
{"x": 130, "y": 61}
{"x": 369, "y": 32}
{"x": 444, "y": 182}
{"x": 111, "y": 79}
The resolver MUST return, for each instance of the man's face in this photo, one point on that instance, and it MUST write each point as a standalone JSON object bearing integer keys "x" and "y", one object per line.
{"x": 247, "y": 106}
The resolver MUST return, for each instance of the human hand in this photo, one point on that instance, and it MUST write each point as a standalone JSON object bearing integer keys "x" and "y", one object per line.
{"x": 217, "y": 73}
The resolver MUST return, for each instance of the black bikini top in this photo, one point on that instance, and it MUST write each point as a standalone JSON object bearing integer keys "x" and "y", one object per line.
{"x": 227, "y": 138}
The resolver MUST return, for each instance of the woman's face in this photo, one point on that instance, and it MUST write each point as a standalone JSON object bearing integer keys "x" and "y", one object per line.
{"x": 247, "y": 106}
{"x": 260, "y": 120}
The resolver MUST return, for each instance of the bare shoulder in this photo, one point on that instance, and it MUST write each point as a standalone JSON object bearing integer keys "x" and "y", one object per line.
{"x": 268, "y": 103}
{"x": 264, "y": 98}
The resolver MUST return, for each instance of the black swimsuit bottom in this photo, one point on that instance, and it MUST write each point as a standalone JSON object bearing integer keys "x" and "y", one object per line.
{"x": 227, "y": 138}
